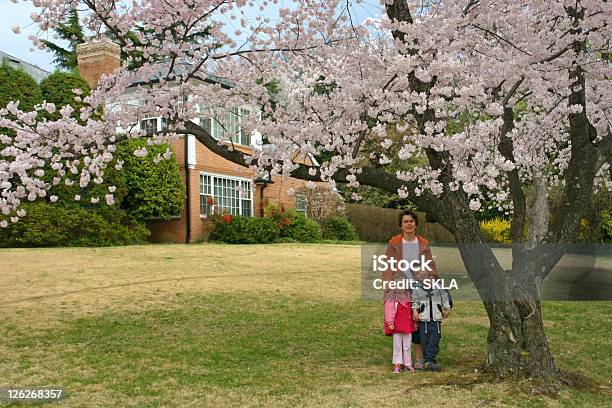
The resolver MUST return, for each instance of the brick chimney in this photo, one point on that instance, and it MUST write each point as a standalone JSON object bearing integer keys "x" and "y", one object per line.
{"x": 96, "y": 58}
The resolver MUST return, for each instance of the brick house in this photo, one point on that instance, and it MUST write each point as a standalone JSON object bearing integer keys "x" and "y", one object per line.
{"x": 206, "y": 174}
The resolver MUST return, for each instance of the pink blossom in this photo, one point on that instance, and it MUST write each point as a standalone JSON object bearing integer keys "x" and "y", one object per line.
{"x": 140, "y": 152}
{"x": 370, "y": 97}
{"x": 474, "y": 205}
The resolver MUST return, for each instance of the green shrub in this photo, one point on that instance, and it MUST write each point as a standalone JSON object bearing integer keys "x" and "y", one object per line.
{"x": 340, "y": 229}
{"x": 606, "y": 226}
{"x": 49, "y": 225}
{"x": 301, "y": 229}
{"x": 154, "y": 189}
{"x": 57, "y": 88}
{"x": 496, "y": 230}
{"x": 280, "y": 226}
{"x": 293, "y": 225}
{"x": 66, "y": 193}
{"x": 143, "y": 188}
{"x": 235, "y": 229}
{"x": 17, "y": 85}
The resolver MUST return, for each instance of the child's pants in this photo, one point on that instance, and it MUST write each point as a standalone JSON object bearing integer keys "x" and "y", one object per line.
{"x": 401, "y": 349}
{"x": 430, "y": 333}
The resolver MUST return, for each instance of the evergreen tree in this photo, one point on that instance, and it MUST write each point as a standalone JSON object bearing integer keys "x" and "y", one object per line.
{"x": 71, "y": 31}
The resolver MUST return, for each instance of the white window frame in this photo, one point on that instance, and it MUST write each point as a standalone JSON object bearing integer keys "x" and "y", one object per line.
{"x": 214, "y": 194}
{"x": 301, "y": 199}
{"x": 217, "y": 131}
{"x": 160, "y": 123}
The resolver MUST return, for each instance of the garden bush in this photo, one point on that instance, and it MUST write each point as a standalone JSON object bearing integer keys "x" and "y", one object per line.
{"x": 301, "y": 229}
{"x": 496, "y": 230}
{"x": 154, "y": 188}
{"x": 606, "y": 226}
{"x": 235, "y": 229}
{"x": 17, "y": 85}
{"x": 340, "y": 229}
{"x": 57, "y": 89}
{"x": 279, "y": 225}
{"x": 293, "y": 225}
{"x": 60, "y": 224}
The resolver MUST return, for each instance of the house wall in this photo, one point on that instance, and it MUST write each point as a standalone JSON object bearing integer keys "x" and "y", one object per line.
{"x": 278, "y": 192}
{"x": 99, "y": 57}
{"x": 174, "y": 230}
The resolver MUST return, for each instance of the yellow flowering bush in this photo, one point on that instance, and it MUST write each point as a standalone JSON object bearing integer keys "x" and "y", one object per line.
{"x": 496, "y": 230}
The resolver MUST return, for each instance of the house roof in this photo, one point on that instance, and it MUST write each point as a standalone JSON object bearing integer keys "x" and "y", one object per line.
{"x": 184, "y": 68}
{"x": 37, "y": 73}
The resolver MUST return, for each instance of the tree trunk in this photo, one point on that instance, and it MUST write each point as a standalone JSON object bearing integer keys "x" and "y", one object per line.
{"x": 504, "y": 340}
{"x": 516, "y": 344}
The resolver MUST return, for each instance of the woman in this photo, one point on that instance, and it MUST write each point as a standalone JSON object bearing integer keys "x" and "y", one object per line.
{"x": 413, "y": 248}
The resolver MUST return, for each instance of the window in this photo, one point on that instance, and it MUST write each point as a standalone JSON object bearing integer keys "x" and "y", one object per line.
{"x": 149, "y": 126}
{"x": 301, "y": 205}
{"x": 223, "y": 193}
{"x": 229, "y": 128}
{"x": 152, "y": 125}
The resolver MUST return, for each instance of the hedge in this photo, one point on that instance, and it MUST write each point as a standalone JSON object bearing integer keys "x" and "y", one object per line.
{"x": 57, "y": 88}
{"x": 301, "y": 229}
{"x": 375, "y": 224}
{"x": 244, "y": 230}
{"x": 293, "y": 225}
{"x": 279, "y": 225}
{"x": 59, "y": 224}
{"x": 154, "y": 189}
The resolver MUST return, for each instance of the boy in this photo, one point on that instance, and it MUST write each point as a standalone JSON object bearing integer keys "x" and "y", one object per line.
{"x": 429, "y": 307}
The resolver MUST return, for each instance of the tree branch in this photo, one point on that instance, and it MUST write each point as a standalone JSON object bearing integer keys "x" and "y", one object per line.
{"x": 368, "y": 176}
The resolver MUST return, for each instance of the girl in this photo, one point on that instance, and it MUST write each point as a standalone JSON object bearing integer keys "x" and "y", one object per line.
{"x": 398, "y": 323}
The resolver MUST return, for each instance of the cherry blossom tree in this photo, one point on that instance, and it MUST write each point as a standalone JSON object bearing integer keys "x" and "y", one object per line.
{"x": 497, "y": 98}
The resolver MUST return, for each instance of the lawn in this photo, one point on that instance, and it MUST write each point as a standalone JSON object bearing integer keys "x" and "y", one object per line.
{"x": 261, "y": 325}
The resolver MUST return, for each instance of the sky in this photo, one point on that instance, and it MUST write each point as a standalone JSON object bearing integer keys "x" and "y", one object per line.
{"x": 19, "y": 46}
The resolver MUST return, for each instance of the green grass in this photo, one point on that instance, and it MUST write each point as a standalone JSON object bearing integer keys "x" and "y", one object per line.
{"x": 281, "y": 347}
{"x": 277, "y": 325}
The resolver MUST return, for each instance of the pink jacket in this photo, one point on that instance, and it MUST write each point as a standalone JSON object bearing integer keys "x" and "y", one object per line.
{"x": 400, "y": 316}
